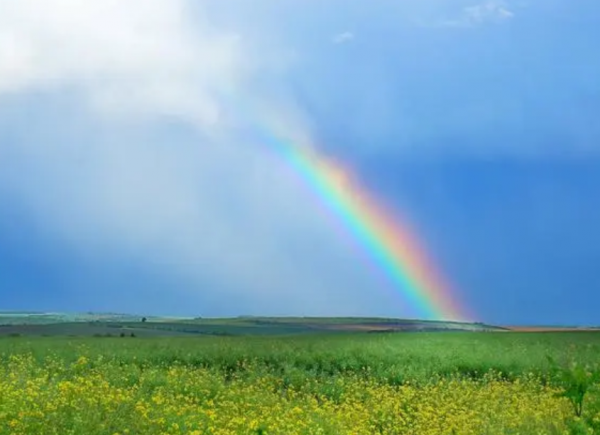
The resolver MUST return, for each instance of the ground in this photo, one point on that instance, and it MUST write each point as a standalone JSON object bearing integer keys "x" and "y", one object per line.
{"x": 114, "y": 374}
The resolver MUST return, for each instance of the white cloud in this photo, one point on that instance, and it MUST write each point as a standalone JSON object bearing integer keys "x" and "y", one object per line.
{"x": 341, "y": 38}
{"x": 140, "y": 55}
{"x": 491, "y": 11}
{"x": 221, "y": 207}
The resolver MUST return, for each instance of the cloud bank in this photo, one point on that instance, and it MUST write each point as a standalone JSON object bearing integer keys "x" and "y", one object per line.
{"x": 197, "y": 197}
{"x": 133, "y": 56}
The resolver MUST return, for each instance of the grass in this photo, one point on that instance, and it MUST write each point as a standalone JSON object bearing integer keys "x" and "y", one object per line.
{"x": 425, "y": 383}
{"x": 419, "y": 356}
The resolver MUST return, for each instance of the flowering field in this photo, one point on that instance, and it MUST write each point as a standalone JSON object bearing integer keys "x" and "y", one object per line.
{"x": 359, "y": 384}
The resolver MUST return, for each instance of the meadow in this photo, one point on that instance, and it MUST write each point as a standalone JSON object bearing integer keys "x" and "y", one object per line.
{"x": 387, "y": 383}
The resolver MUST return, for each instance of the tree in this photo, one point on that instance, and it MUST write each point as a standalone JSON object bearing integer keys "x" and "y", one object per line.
{"x": 144, "y": 320}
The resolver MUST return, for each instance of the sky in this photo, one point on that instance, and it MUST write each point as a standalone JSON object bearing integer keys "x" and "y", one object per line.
{"x": 134, "y": 176}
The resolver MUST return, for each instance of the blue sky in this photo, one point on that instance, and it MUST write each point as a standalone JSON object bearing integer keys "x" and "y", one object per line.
{"x": 130, "y": 181}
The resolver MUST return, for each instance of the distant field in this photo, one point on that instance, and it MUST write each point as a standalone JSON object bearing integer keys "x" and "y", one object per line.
{"x": 466, "y": 383}
{"x": 89, "y": 324}
{"x": 550, "y": 329}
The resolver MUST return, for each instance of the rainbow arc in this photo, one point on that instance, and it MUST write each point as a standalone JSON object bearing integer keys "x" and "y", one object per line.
{"x": 389, "y": 242}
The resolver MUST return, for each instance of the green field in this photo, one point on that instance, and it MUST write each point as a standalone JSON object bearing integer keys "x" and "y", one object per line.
{"x": 318, "y": 383}
{"x": 390, "y": 358}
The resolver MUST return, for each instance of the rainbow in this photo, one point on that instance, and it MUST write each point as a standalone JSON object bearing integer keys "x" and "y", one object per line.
{"x": 389, "y": 242}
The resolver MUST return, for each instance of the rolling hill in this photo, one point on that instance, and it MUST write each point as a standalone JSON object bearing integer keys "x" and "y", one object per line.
{"x": 115, "y": 324}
